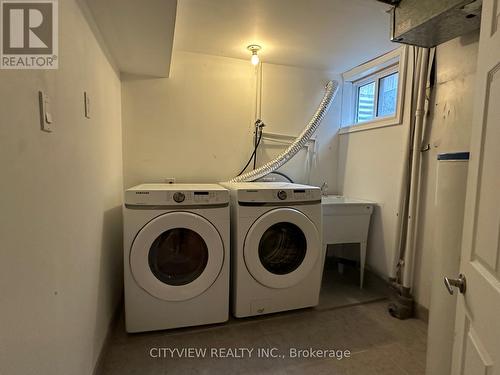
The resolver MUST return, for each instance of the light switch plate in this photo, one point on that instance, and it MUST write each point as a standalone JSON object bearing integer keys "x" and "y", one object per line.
{"x": 46, "y": 120}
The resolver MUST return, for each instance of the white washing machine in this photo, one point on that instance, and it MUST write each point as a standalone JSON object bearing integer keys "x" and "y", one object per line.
{"x": 176, "y": 256}
{"x": 277, "y": 254}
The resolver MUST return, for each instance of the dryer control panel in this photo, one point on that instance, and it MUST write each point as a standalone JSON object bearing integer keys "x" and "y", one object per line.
{"x": 176, "y": 195}
{"x": 274, "y": 192}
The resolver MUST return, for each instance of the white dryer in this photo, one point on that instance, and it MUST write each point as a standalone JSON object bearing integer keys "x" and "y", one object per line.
{"x": 176, "y": 256}
{"x": 277, "y": 254}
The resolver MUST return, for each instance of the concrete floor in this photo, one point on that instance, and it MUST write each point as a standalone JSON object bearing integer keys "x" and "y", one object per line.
{"x": 378, "y": 343}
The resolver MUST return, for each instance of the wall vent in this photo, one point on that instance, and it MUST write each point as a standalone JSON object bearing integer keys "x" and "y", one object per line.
{"x": 427, "y": 23}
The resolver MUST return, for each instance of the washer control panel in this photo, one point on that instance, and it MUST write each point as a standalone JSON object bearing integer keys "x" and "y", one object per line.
{"x": 176, "y": 195}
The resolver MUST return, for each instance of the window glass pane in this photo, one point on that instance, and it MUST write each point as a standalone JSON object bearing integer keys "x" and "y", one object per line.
{"x": 282, "y": 248}
{"x": 366, "y": 102}
{"x": 178, "y": 256}
{"x": 387, "y": 95}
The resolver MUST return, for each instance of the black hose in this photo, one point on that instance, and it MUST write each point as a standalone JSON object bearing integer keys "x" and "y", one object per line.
{"x": 283, "y": 175}
{"x": 258, "y": 136}
{"x": 256, "y": 145}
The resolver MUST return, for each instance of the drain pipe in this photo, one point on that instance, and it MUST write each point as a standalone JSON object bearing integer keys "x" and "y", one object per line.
{"x": 409, "y": 256}
{"x": 402, "y": 305}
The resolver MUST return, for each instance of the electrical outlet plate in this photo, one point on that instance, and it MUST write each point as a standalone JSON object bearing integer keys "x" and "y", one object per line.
{"x": 170, "y": 180}
{"x": 86, "y": 101}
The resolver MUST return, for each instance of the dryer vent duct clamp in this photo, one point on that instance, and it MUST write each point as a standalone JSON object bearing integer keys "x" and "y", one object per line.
{"x": 331, "y": 90}
{"x": 427, "y": 23}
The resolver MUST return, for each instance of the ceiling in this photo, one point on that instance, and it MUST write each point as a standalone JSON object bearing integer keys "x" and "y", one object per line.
{"x": 138, "y": 34}
{"x": 322, "y": 34}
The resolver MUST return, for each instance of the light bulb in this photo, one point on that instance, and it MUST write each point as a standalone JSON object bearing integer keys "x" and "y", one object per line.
{"x": 255, "y": 58}
{"x": 254, "y": 48}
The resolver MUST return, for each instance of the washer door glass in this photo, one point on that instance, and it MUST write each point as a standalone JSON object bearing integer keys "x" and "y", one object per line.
{"x": 178, "y": 256}
{"x": 282, "y": 248}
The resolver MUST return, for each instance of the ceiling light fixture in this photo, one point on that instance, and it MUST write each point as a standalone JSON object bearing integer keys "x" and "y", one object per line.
{"x": 254, "y": 48}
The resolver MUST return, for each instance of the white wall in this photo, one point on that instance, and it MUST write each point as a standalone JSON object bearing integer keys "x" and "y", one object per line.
{"x": 197, "y": 125}
{"x": 194, "y": 126}
{"x": 450, "y": 122}
{"x": 60, "y": 204}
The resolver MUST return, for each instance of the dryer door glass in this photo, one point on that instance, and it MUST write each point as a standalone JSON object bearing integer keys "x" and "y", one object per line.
{"x": 178, "y": 256}
{"x": 282, "y": 248}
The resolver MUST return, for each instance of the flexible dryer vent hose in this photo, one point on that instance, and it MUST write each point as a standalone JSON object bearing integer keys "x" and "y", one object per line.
{"x": 331, "y": 90}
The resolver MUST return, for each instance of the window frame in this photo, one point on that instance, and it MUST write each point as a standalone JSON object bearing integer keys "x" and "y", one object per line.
{"x": 373, "y": 71}
{"x": 373, "y": 78}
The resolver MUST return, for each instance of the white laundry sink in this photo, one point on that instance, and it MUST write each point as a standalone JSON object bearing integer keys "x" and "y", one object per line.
{"x": 347, "y": 220}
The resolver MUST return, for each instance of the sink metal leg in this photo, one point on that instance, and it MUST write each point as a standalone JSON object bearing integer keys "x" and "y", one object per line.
{"x": 362, "y": 259}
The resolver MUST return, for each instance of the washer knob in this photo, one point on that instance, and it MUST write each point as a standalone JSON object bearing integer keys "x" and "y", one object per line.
{"x": 179, "y": 197}
{"x": 282, "y": 194}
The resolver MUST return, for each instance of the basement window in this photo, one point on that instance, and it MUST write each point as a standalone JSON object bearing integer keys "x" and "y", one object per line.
{"x": 373, "y": 93}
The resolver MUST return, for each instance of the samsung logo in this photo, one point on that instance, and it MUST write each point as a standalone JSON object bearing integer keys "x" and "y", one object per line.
{"x": 142, "y": 192}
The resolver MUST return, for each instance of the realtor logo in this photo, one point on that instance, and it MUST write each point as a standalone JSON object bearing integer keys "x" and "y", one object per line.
{"x": 29, "y": 31}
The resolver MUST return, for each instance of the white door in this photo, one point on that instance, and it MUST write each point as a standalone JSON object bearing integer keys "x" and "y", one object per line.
{"x": 177, "y": 256}
{"x": 281, "y": 248}
{"x": 477, "y": 329}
